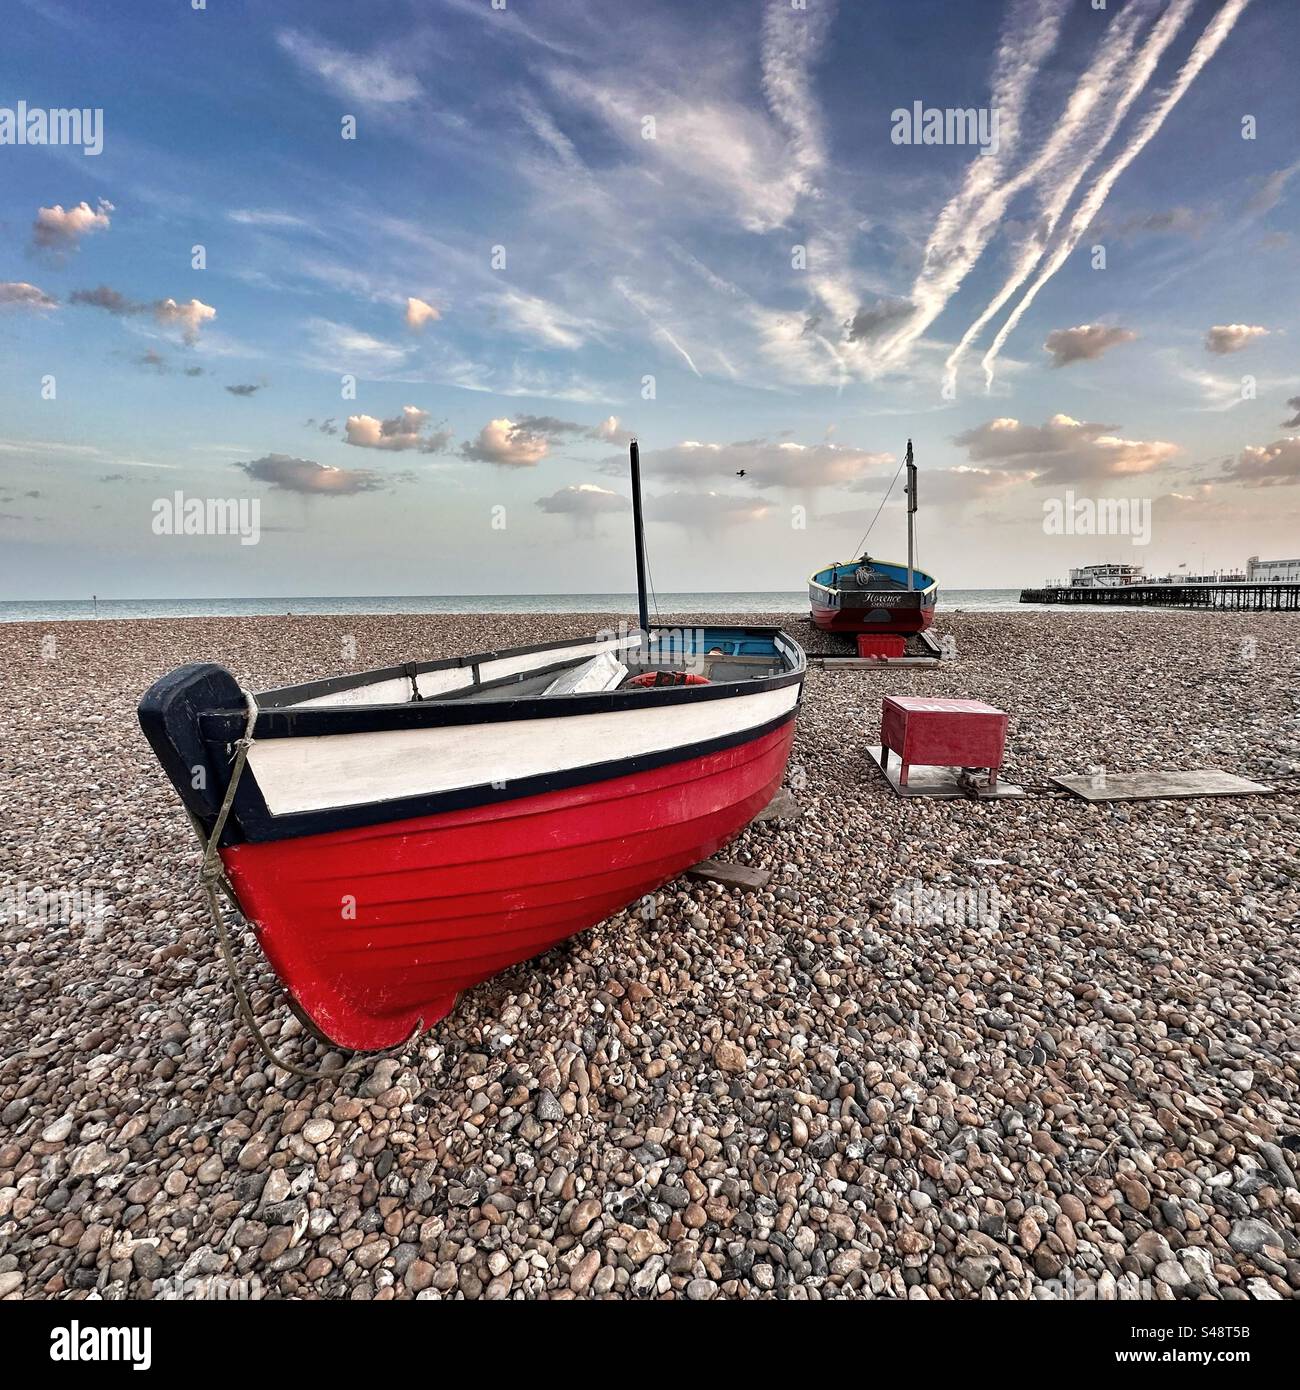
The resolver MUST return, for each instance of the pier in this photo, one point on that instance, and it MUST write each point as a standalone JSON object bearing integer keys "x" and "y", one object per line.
{"x": 1254, "y": 598}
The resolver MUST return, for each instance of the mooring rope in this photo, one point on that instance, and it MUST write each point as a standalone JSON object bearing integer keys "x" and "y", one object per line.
{"x": 212, "y": 876}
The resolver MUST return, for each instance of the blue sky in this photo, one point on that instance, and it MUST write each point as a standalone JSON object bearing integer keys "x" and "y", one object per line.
{"x": 559, "y": 223}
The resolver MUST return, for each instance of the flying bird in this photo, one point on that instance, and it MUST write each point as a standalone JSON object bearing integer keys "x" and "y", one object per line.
{"x": 741, "y": 474}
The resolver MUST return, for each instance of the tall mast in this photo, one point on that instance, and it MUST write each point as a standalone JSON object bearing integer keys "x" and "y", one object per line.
{"x": 638, "y": 527}
{"x": 911, "y": 511}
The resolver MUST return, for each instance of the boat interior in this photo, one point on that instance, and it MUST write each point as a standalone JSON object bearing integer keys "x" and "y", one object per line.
{"x": 868, "y": 574}
{"x": 608, "y": 661}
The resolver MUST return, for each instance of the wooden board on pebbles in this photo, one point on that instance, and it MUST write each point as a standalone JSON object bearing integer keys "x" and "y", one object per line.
{"x": 937, "y": 781}
{"x": 923, "y": 650}
{"x": 729, "y": 875}
{"x": 1157, "y": 786}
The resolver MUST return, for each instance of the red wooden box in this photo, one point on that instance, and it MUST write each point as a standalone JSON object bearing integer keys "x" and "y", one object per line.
{"x": 942, "y": 733}
{"x": 880, "y": 644}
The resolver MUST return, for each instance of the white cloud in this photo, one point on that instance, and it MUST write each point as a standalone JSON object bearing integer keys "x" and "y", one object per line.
{"x": 18, "y": 294}
{"x": 1268, "y": 465}
{"x": 289, "y": 474}
{"x": 397, "y": 434}
{"x": 1063, "y": 450}
{"x": 584, "y": 501}
{"x": 505, "y": 442}
{"x": 190, "y": 316}
{"x": 1085, "y": 343}
{"x": 419, "y": 313}
{"x": 1232, "y": 337}
{"x": 61, "y": 229}
{"x": 612, "y": 432}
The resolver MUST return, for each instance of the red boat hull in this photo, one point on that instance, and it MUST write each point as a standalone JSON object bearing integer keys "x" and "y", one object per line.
{"x": 851, "y": 620}
{"x": 374, "y": 931}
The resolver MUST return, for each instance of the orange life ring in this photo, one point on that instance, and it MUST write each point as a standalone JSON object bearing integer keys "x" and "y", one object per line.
{"x": 660, "y": 678}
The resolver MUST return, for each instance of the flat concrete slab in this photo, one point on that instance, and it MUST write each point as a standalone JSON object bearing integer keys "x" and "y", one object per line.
{"x": 938, "y": 781}
{"x": 1158, "y": 786}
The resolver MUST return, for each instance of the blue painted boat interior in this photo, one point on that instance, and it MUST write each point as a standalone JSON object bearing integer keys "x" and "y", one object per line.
{"x": 731, "y": 641}
{"x": 835, "y": 574}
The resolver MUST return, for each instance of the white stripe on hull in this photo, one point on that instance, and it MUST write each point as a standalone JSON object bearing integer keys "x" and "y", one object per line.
{"x": 320, "y": 772}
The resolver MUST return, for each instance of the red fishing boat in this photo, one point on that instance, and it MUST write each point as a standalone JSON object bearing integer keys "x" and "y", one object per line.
{"x": 399, "y": 835}
{"x": 876, "y": 596}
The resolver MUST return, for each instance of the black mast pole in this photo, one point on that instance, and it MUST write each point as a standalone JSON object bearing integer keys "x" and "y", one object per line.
{"x": 911, "y": 511}
{"x": 638, "y": 526}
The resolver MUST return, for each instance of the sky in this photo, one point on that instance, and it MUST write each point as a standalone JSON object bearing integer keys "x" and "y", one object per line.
{"x": 404, "y": 278}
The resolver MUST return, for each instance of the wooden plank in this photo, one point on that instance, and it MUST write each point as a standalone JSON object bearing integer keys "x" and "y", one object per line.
{"x": 1157, "y": 786}
{"x": 871, "y": 663}
{"x": 602, "y": 672}
{"x": 729, "y": 875}
{"x": 938, "y": 781}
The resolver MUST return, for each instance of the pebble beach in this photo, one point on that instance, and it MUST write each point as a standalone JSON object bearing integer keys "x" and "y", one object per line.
{"x": 1032, "y": 1049}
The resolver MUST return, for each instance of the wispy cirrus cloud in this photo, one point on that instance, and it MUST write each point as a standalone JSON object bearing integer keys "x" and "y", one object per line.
{"x": 366, "y": 78}
{"x": 1211, "y": 39}
{"x": 968, "y": 220}
{"x": 1100, "y": 101}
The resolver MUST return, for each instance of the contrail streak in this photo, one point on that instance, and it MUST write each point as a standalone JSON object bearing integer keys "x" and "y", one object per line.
{"x": 791, "y": 44}
{"x": 965, "y": 224}
{"x": 1074, "y": 129}
{"x": 1207, "y": 45}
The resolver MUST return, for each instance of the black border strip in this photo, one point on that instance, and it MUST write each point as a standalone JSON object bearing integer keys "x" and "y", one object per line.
{"x": 257, "y": 825}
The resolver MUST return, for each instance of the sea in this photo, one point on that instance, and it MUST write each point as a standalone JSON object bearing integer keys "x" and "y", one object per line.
{"x": 751, "y": 601}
